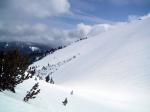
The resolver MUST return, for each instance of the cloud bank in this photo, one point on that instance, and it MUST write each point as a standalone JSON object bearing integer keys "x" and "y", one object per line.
{"x": 41, "y": 33}
{"x": 41, "y": 8}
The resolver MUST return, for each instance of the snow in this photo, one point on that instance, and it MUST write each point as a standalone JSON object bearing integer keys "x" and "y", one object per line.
{"x": 34, "y": 48}
{"x": 49, "y": 100}
{"x": 110, "y": 73}
{"x": 7, "y": 45}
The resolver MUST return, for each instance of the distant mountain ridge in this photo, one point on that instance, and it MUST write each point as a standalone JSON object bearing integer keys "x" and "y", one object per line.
{"x": 24, "y": 47}
{"x": 34, "y": 50}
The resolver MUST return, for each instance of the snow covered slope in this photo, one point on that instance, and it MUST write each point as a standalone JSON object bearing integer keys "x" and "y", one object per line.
{"x": 109, "y": 72}
{"x": 114, "y": 65}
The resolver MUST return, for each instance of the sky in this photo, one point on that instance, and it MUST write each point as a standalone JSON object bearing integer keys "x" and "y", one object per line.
{"x": 57, "y": 22}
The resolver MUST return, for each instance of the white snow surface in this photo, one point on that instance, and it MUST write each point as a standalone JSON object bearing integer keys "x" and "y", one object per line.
{"x": 34, "y": 48}
{"x": 111, "y": 73}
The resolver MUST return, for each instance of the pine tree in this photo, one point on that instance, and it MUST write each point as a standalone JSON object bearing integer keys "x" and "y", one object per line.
{"x": 65, "y": 102}
{"x": 1, "y": 70}
{"x": 47, "y": 78}
{"x": 32, "y": 93}
{"x": 12, "y": 69}
{"x": 51, "y": 81}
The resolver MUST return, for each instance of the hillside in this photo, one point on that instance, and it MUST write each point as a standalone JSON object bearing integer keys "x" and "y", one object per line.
{"x": 108, "y": 72}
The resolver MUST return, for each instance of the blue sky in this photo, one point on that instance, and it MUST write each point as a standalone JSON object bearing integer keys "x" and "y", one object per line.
{"x": 103, "y": 11}
{"x": 113, "y": 10}
{"x": 53, "y": 15}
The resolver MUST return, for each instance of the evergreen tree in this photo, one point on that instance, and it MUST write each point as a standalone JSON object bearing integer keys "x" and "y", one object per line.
{"x": 47, "y": 78}
{"x": 1, "y": 69}
{"x": 32, "y": 93}
{"x": 65, "y": 102}
{"x": 12, "y": 69}
{"x": 71, "y": 93}
{"x": 51, "y": 81}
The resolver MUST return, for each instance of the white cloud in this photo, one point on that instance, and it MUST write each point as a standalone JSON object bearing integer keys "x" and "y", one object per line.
{"x": 99, "y": 28}
{"x": 40, "y": 27}
{"x": 42, "y": 8}
{"x": 133, "y": 17}
{"x": 41, "y": 33}
{"x": 146, "y": 16}
{"x": 136, "y": 17}
{"x": 83, "y": 29}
